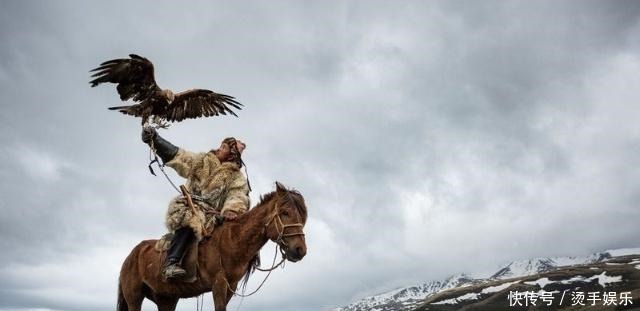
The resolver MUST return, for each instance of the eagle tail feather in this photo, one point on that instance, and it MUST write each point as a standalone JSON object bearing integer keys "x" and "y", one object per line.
{"x": 118, "y": 107}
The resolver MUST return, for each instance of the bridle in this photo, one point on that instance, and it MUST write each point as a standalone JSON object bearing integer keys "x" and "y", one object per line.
{"x": 281, "y": 246}
{"x": 281, "y": 227}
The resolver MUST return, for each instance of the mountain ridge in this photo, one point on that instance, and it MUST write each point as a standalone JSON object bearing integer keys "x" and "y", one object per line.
{"x": 410, "y": 297}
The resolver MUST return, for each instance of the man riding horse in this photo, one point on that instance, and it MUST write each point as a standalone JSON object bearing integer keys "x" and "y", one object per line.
{"x": 216, "y": 184}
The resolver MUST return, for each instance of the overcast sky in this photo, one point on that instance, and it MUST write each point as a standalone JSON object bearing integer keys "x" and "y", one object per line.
{"x": 428, "y": 138}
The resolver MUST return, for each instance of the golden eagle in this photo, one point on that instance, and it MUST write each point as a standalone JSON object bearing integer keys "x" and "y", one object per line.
{"x": 135, "y": 80}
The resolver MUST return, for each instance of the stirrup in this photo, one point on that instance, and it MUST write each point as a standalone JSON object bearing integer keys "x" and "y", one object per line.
{"x": 173, "y": 271}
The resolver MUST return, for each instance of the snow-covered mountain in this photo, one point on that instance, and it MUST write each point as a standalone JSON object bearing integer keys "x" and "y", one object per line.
{"x": 407, "y": 298}
{"x": 541, "y": 265}
{"x": 611, "y": 284}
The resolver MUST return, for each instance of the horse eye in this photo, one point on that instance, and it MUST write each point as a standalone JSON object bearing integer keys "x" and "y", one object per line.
{"x": 285, "y": 213}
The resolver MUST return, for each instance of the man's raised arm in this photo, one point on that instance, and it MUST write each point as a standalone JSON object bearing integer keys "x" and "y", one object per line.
{"x": 176, "y": 158}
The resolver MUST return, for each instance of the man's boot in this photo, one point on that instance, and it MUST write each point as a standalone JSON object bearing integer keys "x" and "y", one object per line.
{"x": 181, "y": 239}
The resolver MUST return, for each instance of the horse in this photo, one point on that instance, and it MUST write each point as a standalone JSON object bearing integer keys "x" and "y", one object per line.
{"x": 224, "y": 259}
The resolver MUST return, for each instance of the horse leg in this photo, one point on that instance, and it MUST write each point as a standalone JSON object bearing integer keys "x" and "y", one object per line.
{"x": 131, "y": 287}
{"x": 132, "y": 292}
{"x": 233, "y": 287}
{"x": 220, "y": 293}
{"x": 134, "y": 298}
{"x": 167, "y": 304}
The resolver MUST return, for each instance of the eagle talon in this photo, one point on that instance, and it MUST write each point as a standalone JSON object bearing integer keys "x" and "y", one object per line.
{"x": 159, "y": 123}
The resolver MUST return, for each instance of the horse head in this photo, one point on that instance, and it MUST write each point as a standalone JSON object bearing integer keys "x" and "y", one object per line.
{"x": 285, "y": 223}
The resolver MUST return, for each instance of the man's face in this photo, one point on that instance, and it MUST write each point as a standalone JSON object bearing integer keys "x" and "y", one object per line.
{"x": 240, "y": 146}
{"x": 224, "y": 152}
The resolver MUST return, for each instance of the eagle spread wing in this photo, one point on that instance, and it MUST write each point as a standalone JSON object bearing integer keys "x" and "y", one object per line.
{"x": 134, "y": 77}
{"x": 197, "y": 103}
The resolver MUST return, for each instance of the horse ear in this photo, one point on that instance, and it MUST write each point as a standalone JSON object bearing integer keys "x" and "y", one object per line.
{"x": 280, "y": 188}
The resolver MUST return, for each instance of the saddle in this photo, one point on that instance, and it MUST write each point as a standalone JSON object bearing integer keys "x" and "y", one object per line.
{"x": 189, "y": 260}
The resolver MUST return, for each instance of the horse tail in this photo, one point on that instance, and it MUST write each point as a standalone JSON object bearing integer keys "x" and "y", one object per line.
{"x": 253, "y": 264}
{"x": 122, "y": 304}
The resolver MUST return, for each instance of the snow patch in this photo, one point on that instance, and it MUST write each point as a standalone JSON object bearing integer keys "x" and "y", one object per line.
{"x": 493, "y": 289}
{"x": 474, "y": 296}
{"x": 540, "y": 282}
{"x": 578, "y": 278}
{"x": 603, "y": 280}
{"x": 452, "y": 301}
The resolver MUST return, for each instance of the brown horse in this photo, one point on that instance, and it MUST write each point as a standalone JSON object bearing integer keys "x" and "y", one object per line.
{"x": 223, "y": 259}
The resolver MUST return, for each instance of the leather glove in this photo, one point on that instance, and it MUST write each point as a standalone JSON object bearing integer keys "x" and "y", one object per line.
{"x": 148, "y": 133}
{"x": 165, "y": 150}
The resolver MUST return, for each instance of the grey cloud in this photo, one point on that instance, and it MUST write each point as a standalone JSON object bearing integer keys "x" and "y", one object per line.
{"x": 482, "y": 113}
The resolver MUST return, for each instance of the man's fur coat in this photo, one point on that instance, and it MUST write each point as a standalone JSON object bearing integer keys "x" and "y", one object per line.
{"x": 216, "y": 186}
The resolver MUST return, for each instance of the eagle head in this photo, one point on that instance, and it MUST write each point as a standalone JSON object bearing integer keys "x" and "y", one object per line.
{"x": 169, "y": 96}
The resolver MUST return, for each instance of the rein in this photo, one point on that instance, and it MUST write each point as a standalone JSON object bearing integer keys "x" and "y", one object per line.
{"x": 153, "y": 157}
{"x": 273, "y": 267}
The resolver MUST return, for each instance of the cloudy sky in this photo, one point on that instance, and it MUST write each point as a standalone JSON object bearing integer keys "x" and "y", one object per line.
{"x": 428, "y": 138}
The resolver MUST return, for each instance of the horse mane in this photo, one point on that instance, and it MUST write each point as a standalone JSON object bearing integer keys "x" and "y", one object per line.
{"x": 292, "y": 196}
{"x": 251, "y": 268}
